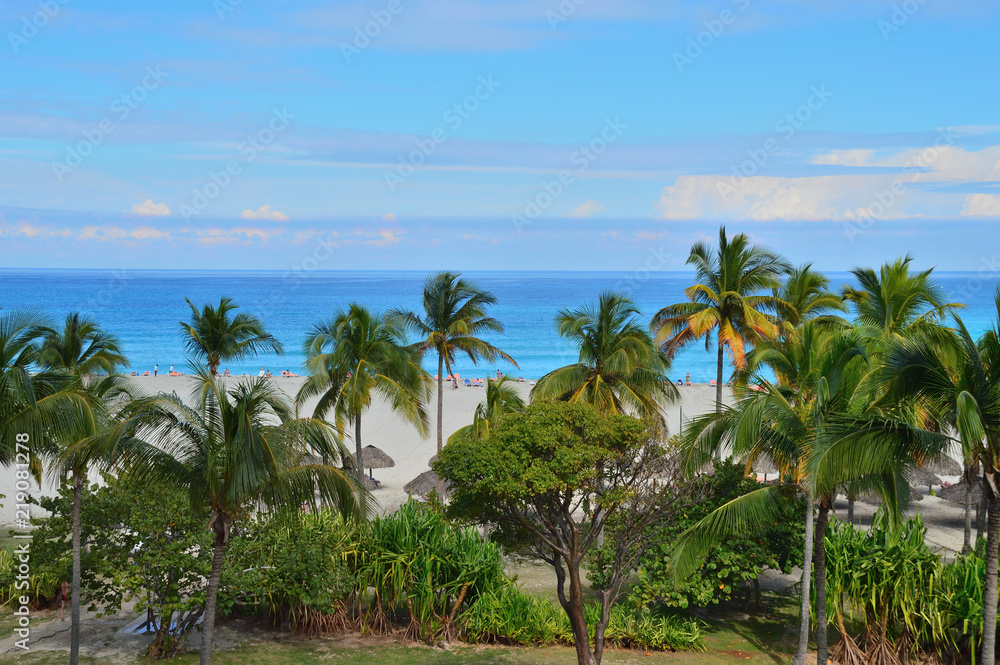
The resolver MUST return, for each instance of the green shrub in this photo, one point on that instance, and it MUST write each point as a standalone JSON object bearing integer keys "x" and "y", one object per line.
{"x": 293, "y": 567}
{"x": 732, "y": 567}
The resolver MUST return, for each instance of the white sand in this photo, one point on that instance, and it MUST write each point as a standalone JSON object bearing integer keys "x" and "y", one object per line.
{"x": 381, "y": 427}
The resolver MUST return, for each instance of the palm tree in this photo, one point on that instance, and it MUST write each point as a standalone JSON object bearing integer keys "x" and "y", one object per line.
{"x": 805, "y": 295}
{"x": 813, "y": 425}
{"x": 35, "y": 402}
{"x": 727, "y": 299}
{"x": 893, "y": 302}
{"x": 356, "y": 355}
{"x": 215, "y": 335}
{"x": 454, "y": 315}
{"x": 81, "y": 349}
{"x": 233, "y": 451}
{"x": 963, "y": 392}
{"x": 501, "y": 398}
{"x": 620, "y": 368}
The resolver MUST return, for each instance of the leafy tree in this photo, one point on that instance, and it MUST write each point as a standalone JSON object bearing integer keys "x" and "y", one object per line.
{"x": 235, "y": 450}
{"x": 726, "y": 299}
{"x": 143, "y": 545}
{"x": 79, "y": 350}
{"x": 356, "y": 355}
{"x": 550, "y": 479}
{"x": 620, "y": 369}
{"x": 501, "y": 398}
{"x": 454, "y": 316}
{"x": 215, "y": 334}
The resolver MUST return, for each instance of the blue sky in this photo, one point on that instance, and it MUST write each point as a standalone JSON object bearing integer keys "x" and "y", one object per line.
{"x": 549, "y": 134}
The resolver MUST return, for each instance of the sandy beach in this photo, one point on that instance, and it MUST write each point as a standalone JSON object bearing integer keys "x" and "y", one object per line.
{"x": 382, "y": 428}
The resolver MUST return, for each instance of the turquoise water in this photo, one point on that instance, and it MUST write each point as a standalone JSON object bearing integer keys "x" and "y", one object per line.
{"x": 144, "y": 308}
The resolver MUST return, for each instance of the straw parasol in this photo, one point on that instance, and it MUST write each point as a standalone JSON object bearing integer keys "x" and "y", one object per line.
{"x": 375, "y": 458}
{"x": 764, "y": 464}
{"x": 921, "y": 476}
{"x": 956, "y": 493}
{"x": 943, "y": 466}
{"x": 875, "y": 500}
{"x": 424, "y": 484}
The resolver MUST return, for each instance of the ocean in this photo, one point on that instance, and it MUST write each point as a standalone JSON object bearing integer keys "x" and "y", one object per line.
{"x": 144, "y": 308}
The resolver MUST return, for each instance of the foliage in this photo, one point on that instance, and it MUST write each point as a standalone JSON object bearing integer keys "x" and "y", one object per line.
{"x": 906, "y": 598}
{"x": 551, "y": 479}
{"x": 214, "y": 334}
{"x": 620, "y": 369}
{"x": 41, "y": 587}
{"x": 144, "y": 544}
{"x": 511, "y": 616}
{"x": 293, "y": 566}
{"x": 734, "y": 564}
{"x": 418, "y": 563}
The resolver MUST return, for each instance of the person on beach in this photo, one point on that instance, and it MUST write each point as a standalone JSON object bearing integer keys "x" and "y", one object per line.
{"x": 171, "y": 369}
{"x": 687, "y": 379}
{"x": 156, "y": 368}
{"x": 226, "y": 373}
{"x": 64, "y": 599}
{"x": 261, "y": 373}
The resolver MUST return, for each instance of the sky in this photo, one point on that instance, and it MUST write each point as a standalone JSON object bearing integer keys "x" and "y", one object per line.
{"x": 522, "y": 134}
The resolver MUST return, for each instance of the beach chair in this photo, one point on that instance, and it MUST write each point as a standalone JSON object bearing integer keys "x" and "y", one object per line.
{"x": 468, "y": 383}
{"x": 712, "y": 382}
{"x": 135, "y": 373}
{"x": 146, "y": 373}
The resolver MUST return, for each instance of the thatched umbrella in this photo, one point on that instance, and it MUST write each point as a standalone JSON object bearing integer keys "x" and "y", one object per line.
{"x": 921, "y": 476}
{"x": 375, "y": 458}
{"x": 875, "y": 500}
{"x": 943, "y": 466}
{"x": 424, "y": 484}
{"x": 765, "y": 465}
{"x": 956, "y": 493}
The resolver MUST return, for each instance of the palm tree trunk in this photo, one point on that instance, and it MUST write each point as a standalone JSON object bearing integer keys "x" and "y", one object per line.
{"x": 74, "y": 631}
{"x": 821, "y": 636}
{"x": 967, "y": 533}
{"x": 440, "y": 396}
{"x": 718, "y": 382}
{"x": 981, "y": 515}
{"x": 990, "y": 589}
{"x": 357, "y": 448}
{"x": 212, "y": 594}
{"x": 800, "y": 653}
{"x": 440, "y": 415}
{"x": 850, "y": 508}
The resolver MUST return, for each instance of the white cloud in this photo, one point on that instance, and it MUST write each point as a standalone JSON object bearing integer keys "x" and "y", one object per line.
{"x": 385, "y": 237}
{"x": 102, "y": 233}
{"x": 149, "y": 209}
{"x": 27, "y": 230}
{"x": 148, "y": 233}
{"x": 388, "y": 217}
{"x": 586, "y": 209}
{"x": 845, "y": 158}
{"x": 264, "y": 212}
{"x": 982, "y": 205}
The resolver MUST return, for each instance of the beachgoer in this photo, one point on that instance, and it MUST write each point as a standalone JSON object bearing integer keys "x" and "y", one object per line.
{"x": 156, "y": 368}
{"x": 171, "y": 369}
{"x": 499, "y": 375}
{"x": 687, "y": 379}
{"x": 226, "y": 373}
{"x": 64, "y": 599}
{"x": 261, "y": 373}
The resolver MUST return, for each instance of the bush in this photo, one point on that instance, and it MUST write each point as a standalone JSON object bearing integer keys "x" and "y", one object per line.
{"x": 293, "y": 567}
{"x": 905, "y": 598}
{"x": 731, "y": 567}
